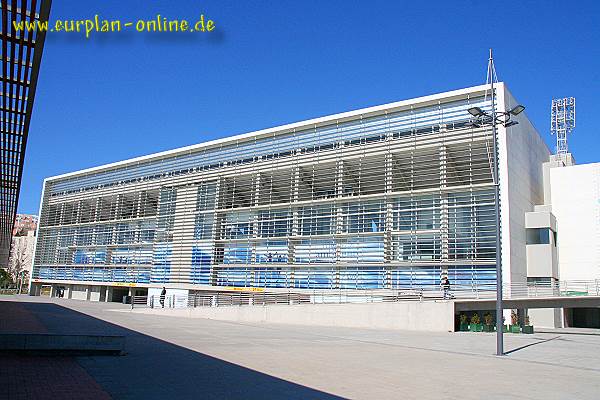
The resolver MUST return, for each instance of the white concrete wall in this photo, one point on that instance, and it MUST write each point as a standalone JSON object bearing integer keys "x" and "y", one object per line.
{"x": 94, "y": 293}
{"x": 426, "y": 316}
{"x": 522, "y": 152}
{"x": 79, "y": 292}
{"x": 545, "y": 317}
{"x": 541, "y": 261}
{"x": 540, "y": 219}
{"x": 576, "y": 206}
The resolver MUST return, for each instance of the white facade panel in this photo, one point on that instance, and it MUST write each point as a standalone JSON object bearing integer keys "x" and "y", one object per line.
{"x": 94, "y": 293}
{"x": 576, "y": 205}
{"x": 522, "y": 153}
{"x": 540, "y": 219}
{"x": 541, "y": 261}
{"x": 79, "y": 292}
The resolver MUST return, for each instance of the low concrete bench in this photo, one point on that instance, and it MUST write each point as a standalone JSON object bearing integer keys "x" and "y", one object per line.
{"x": 62, "y": 344}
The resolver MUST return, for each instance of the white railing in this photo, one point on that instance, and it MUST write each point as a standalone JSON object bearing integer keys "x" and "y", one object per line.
{"x": 512, "y": 291}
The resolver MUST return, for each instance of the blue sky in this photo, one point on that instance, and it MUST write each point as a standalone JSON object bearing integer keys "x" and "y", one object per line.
{"x": 121, "y": 95}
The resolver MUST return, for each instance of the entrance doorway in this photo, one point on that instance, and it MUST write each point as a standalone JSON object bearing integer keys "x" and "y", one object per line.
{"x": 582, "y": 317}
{"x": 118, "y": 293}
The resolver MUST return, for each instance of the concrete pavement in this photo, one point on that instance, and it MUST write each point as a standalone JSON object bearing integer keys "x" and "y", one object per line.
{"x": 175, "y": 357}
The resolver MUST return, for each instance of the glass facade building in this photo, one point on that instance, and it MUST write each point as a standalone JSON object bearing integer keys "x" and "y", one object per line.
{"x": 392, "y": 197}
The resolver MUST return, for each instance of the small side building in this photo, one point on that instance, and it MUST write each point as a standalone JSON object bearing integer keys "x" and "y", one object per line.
{"x": 563, "y": 237}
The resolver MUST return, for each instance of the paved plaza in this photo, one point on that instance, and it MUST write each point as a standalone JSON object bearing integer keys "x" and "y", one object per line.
{"x": 177, "y": 357}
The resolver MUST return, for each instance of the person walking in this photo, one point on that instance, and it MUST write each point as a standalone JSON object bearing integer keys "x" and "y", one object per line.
{"x": 163, "y": 294}
{"x": 446, "y": 287}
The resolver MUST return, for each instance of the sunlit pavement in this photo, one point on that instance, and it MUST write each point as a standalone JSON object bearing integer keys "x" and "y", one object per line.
{"x": 197, "y": 358}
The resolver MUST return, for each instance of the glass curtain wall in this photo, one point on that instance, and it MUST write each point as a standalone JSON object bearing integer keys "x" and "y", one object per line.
{"x": 386, "y": 201}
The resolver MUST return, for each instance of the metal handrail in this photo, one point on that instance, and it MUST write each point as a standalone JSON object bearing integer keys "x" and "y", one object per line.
{"x": 350, "y": 296}
{"x": 139, "y": 301}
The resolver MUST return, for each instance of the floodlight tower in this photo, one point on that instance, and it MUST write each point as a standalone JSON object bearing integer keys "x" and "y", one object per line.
{"x": 563, "y": 122}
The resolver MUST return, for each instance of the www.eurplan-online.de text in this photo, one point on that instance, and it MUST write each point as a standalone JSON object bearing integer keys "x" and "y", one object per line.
{"x": 98, "y": 25}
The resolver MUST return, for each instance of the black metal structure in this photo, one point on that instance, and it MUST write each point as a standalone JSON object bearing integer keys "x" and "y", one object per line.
{"x": 21, "y": 54}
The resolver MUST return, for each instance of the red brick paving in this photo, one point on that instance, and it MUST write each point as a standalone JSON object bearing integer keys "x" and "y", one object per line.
{"x": 33, "y": 377}
{"x": 15, "y": 318}
{"x": 40, "y": 377}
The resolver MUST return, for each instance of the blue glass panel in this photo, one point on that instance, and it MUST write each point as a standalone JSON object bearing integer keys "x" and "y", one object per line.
{"x": 82, "y": 256}
{"x": 313, "y": 278}
{"x": 315, "y": 251}
{"x": 201, "y": 259}
{"x": 362, "y": 278}
{"x": 272, "y": 252}
{"x": 138, "y": 255}
{"x": 237, "y": 254}
{"x": 368, "y": 249}
{"x": 144, "y": 276}
{"x": 416, "y": 277}
{"x": 271, "y": 277}
{"x": 471, "y": 276}
{"x": 161, "y": 267}
{"x": 239, "y": 277}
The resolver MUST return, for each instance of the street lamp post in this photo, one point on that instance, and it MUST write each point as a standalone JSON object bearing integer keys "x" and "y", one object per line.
{"x": 503, "y": 118}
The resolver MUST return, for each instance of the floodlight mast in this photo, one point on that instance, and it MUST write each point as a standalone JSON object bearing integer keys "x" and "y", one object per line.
{"x": 562, "y": 123}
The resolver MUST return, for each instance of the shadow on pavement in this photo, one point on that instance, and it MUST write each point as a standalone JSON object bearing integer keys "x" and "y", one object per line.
{"x": 155, "y": 369}
{"x": 529, "y": 345}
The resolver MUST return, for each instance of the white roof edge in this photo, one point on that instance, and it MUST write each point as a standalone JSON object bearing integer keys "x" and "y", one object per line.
{"x": 291, "y": 126}
{"x": 566, "y": 168}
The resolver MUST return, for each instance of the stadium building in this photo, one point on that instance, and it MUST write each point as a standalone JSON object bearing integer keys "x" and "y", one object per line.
{"x": 387, "y": 197}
